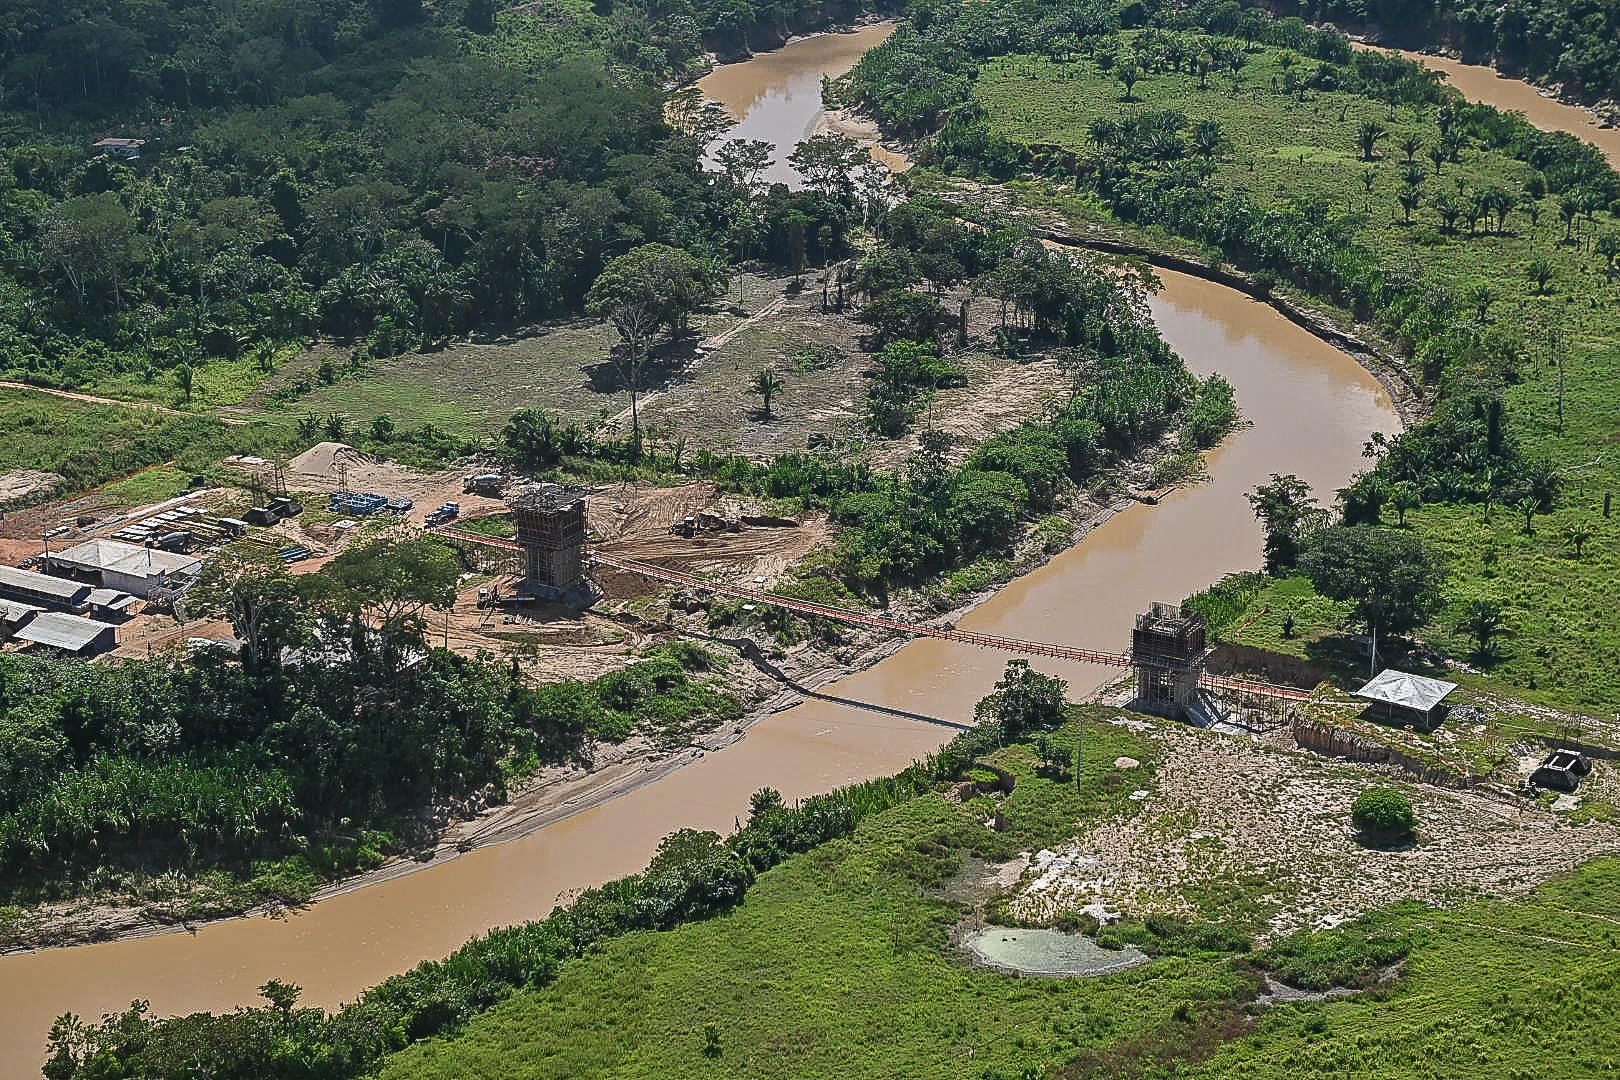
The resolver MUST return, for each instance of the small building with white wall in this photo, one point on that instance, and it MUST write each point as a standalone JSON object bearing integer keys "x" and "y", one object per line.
{"x": 113, "y": 564}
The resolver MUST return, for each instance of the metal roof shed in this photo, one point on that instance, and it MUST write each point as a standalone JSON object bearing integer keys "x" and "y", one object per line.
{"x": 1407, "y": 696}
{"x": 70, "y": 633}
{"x": 127, "y": 567}
{"x": 13, "y": 613}
{"x": 43, "y": 589}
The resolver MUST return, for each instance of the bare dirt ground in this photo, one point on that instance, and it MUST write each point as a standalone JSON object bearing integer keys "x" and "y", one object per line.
{"x": 1227, "y": 809}
{"x": 633, "y": 522}
{"x": 708, "y": 403}
{"x": 22, "y": 483}
{"x": 326, "y": 467}
{"x": 33, "y": 522}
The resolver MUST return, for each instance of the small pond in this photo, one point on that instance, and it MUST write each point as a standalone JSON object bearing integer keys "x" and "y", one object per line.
{"x": 1049, "y": 952}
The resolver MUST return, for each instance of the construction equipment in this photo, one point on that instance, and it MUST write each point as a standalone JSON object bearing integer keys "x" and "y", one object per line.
{"x": 487, "y": 484}
{"x": 447, "y": 512}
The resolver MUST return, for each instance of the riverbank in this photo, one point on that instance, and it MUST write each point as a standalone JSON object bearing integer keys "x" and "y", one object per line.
{"x": 560, "y": 792}
{"x": 1547, "y": 107}
{"x": 1308, "y": 405}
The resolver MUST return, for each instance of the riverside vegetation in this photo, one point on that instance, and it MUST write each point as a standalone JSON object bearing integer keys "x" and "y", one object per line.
{"x": 124, "y": 784}
{"x": 1483, "y": 250}
{"x": 853, "y": 872}
{"x": 780, "y": 950}
{"x": 184, "y": 784}
{"x": 198, "y": 786}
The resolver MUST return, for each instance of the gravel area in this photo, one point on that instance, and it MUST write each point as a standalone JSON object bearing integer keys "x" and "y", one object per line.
{"x": 1231, "y": 813}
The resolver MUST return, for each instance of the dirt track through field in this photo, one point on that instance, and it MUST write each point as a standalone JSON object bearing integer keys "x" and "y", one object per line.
{"x": 91, "y": 399}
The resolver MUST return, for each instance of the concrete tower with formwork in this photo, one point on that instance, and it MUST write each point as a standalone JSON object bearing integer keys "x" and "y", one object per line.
{"x": 1168, "y": 647}
{"x": 550, "y": 522}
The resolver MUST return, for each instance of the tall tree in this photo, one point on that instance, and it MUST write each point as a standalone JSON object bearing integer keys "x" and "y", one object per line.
{"x": 1024, "y": 701}
{"x": 1389, "y": 577}
{"x": 250, "y": 587}
{"x": 1287, "y": 510}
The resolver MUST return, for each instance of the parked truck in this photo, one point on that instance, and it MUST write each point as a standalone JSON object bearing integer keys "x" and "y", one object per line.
{"x": 487, "y": 484}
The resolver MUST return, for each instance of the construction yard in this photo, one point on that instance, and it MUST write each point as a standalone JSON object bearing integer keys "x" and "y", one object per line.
{"x": 550, "y": 640}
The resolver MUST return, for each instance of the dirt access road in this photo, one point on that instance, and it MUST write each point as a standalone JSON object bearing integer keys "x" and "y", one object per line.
{"x": 91, "y": 399}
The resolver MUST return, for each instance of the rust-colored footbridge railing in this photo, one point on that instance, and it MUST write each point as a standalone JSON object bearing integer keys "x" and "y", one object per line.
{"x": 881, "y": 622}
{"x": 965, "y": 637}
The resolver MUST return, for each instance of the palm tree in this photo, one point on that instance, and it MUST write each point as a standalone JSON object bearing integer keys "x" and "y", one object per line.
{"x": 1608, "y": 246}
{"x": 1409, "y": 198}
{"x": 1577, "y": 535}
{"x": 1490, "y": 487}
{"x": 1446, "y": 206}
{"x": 1410, "y": 145}
{"x": 1541, "y": 272}
{"x": 1481, "y": 296}
{"x": 1485, "y": 624}
{"x": 1128, "y": 74}
{"x": 1368, "y": 136}
{"x": 1209, "y": 140}
{"x": 1103, "y": 131}
{"x": 1437, "y": 155}
{"x": 1569, "y": 207}
{"x": 1403, "y": 497}
{"x": 1527, "y": 505}
{"x": 767, "y": 384}
{"x": 1498, "y": 201}
{"x": 185, "y": 376}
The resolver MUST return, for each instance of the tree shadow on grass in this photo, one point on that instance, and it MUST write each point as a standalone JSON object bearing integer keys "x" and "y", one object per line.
{"x": 668, "y": 362}
{"x": 1345, "y": 655}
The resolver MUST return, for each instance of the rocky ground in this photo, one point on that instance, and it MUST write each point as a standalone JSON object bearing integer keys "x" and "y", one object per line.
{"x": 1241, "y": 826}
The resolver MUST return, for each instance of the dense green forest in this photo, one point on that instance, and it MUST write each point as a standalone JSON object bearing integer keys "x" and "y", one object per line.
{"x": 329, "y": 741}
{"x": 1575, "y": 43}
{"x": 386, "y": 173}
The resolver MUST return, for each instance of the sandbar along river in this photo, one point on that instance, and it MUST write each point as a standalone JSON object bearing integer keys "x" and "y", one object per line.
{"x": 1310, "y": 409}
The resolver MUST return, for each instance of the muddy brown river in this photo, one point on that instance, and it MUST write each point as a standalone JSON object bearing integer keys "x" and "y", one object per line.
{"x": 1480, "y": 83}
{"x": 776, "y": 96}
{"x": 1310, "y": 407}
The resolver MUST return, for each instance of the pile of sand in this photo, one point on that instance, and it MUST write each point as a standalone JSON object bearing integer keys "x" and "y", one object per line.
{"x": 325, "y": 458}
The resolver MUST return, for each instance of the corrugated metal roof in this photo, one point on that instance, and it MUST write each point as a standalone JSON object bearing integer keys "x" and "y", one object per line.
{"x": 1406, "y": 690}
{"x": 128, "y": 559}
{"x": 111, "y": 598}
{"x": 71, "y": 632}
{"x": 42, "y": 584}
{"x": 12, "y": 611}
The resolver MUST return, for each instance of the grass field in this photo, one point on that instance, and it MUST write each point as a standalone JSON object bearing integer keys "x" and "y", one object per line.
{"x": 839, "y": 964}
{"x": 466, "y": 389}
{"x": 1565, "y": 650}
{"x": 92, "y": 444}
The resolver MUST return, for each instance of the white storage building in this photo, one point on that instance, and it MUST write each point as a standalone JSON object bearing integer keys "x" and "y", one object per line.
{"x": 113, "y": 564}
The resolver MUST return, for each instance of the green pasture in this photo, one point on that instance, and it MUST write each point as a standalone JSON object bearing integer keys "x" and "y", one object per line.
{"x": 1303, "y": 150}
{"x": 839, "y": 964}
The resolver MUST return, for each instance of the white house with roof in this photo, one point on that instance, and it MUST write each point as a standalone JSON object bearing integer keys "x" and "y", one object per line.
{"x": 129, "y": 568}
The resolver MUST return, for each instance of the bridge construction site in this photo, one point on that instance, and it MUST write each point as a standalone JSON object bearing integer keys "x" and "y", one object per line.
{"x": 1168, "y": 647}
